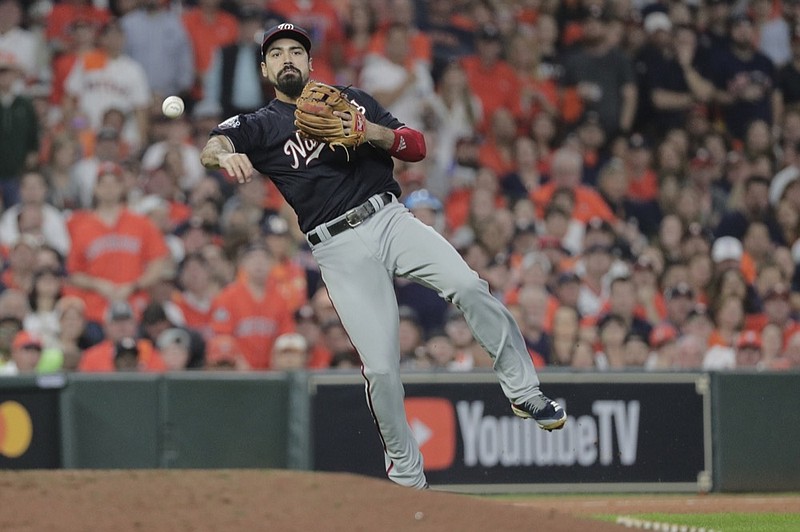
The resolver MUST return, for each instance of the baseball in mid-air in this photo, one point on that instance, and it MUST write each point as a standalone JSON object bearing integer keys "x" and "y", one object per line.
{"x": 172, "y": 106}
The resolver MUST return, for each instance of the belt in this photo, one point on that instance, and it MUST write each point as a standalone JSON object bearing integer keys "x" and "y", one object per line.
{"x": 351, "y": 218}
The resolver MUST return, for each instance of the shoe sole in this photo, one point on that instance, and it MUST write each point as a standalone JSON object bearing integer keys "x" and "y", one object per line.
{"x": 549, "y": 426}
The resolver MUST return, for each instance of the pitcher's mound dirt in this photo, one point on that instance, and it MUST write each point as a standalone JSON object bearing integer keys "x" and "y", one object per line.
{"x": 247, "y": 500}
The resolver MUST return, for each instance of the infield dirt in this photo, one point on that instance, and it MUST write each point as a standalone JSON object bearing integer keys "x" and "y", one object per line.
{"x": 249, "y": 500}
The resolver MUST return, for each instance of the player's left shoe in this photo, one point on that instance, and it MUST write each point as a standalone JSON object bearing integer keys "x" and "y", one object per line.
{"x": 544, "y": 411}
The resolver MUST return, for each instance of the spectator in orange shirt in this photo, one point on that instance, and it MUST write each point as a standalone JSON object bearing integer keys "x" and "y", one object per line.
{"x": 403, "y": 13}
{"x": 223, "y": 353}
{"x": 322, "y": 21}
{"x": 251, "y": 309}
{"x": 490, "y": 77}
{"x": 287, "y": 274}
{"x": 196, "y": 294}
{"x": 566, "y": 172}
{"x": 776, "y": 310}
{"x": 126, "y": 355}
{"x": 82, "y": 43}
{"x": 497, "y": 150}
{"x": 308, "y": 325}
{"x": 120, "y": 323}
{"x": 64, "y": 14}
{"x": 115, "y": 254}
{"x": 209, "y": 28}
{"x": 26, "y": 352}
{"x": 472, "y": 207}
{"x": 643, "y": 182}
{"x": 539, "y": 91}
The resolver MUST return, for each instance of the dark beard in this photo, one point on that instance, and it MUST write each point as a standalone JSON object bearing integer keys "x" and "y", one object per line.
{"x": 291, "y": 86}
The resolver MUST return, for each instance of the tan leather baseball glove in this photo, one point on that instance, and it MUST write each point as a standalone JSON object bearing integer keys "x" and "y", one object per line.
{"x": 315, "y": 119}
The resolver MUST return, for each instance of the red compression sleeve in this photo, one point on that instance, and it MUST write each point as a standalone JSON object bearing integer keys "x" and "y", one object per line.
{"x": 408, "y": 145}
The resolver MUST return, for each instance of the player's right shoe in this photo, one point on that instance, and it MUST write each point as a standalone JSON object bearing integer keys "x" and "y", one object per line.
{"x": 544, "y": 411}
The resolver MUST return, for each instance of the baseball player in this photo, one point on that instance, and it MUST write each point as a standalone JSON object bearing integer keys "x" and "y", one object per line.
{"x": 361, "y": 236}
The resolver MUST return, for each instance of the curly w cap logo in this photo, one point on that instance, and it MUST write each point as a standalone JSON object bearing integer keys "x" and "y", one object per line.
{"x": 16, "y": 429}
{"x": 433, "y": 423}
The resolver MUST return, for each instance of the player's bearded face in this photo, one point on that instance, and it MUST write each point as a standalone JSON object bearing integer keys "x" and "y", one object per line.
{"x": 290, "y": 81}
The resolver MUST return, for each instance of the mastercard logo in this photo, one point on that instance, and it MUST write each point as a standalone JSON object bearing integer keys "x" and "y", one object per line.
{"x": 16, "y": 429}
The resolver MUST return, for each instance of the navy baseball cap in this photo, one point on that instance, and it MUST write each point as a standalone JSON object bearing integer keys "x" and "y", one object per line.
{"x": 286, "y": 31}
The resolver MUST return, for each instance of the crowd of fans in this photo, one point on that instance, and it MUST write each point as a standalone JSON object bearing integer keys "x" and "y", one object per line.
{"x": 625, "y": 174}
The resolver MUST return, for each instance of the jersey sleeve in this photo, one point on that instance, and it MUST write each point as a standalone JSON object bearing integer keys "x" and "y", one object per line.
{"x": 373, "y": 111}
{"x": 245, "y": 131}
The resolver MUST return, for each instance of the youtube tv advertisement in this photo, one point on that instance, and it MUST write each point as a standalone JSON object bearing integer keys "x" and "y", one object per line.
{"x": 620, "y": 433}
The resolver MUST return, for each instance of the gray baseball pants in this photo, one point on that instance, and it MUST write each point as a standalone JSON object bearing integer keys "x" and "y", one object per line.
{"x": 358, "y": 266}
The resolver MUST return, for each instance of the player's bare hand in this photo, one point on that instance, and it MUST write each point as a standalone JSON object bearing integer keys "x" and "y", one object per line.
{"x": 238, "y": 165}
{"x": 347, "y": 121}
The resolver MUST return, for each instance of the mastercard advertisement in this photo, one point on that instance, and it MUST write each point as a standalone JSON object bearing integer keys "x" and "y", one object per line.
{"x": 16, "y": 429}
{"x": 29, "y": 429}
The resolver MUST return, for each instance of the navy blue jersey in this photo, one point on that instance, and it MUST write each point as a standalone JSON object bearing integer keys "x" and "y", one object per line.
{"x": 318, "y": 182}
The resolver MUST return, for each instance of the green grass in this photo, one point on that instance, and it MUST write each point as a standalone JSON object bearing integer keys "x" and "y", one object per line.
{"x": 724, "y": 522}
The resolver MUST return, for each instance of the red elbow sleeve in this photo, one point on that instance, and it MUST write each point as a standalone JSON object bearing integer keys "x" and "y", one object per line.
{"x": 409, "y": 145}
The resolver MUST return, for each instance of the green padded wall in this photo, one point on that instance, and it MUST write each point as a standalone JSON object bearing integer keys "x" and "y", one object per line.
{"x": 111, "y": 421}
{"x": 225, "y": 421}
{"x": 756, "y": 431}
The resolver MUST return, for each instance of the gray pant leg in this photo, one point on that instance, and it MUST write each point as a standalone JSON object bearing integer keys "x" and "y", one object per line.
{"x": 419, "y": 253}
{"x": 363, "y": 294}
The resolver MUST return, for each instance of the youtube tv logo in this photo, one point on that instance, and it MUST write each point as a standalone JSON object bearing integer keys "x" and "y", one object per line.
{"x": 433, "y": 422}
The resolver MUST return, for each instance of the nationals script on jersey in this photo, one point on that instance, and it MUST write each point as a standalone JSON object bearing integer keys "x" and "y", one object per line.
{"x": 319, "y": 183}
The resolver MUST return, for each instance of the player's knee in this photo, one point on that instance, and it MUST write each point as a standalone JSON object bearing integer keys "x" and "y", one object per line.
{"x": 467, "y": 288}
{"x": 381, "y": 371}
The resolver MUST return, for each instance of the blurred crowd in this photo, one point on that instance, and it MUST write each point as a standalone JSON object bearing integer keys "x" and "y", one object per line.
{"x": 625, "y": 175}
